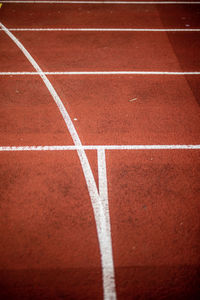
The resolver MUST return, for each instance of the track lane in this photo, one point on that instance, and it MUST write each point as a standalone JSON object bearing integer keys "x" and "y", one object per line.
{"x": 188, "y": 56}
{"x": 88, "y": 15}
{"x": 164, "y": 110}
{"x": 76, "y": 51}
{"x": 11, "y": 57}
{"x": 179, "y": 15}
{"x": 49, "y": 247}
{"x": 114, "y": 51}
{"x": 74, "y": 16}
{"x": 154, "y": 204}
{"x": 26, "y": 114}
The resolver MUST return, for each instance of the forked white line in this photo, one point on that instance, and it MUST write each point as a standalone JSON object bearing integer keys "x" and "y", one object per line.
{"x": 104, "y": 2}
{"x": 109, "y": 29}
{"x": 100, "y": 147}
{"x": 92, "y": 188}
{"x": 100, "y": 73}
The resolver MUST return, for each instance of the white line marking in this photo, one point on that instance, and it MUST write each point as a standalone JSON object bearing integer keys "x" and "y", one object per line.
{"x": 110, "y": 29}
{"x": 107, "y": 261}
{"x": 91, "y": 185}
{"x": 100, "y": 73}
{"x": 102, "y": 175}
{"x": 104, "y": 2}
{"x": 100, "y": 147}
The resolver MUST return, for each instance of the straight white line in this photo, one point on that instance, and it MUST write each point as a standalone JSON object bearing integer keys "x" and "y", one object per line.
{"x": 110, "y": 29}
{"x": 89, "y": 178}
{"x": 100, "y": 147}
{"x": 104, "y": 2}
{"x": 100, "y": 73}
{"x": 107, "y": 261}
{"x": 102, "y": 175}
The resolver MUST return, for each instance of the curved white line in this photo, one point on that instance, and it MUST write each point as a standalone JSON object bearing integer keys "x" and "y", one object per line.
{"x": 104, "y": 236}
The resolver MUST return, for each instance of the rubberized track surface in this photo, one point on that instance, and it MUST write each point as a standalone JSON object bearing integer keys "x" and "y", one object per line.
{"x": 61, "y": 233}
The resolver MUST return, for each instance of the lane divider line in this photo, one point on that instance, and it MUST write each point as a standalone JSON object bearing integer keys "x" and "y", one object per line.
{"x": 100, "y": 73}
{"x": 89, "y": 178}
{"x": 109, "y": 29}
{"x": 103, "y": 2}
{"x": 107, "y": 256}
{"x": 100, "y": 147}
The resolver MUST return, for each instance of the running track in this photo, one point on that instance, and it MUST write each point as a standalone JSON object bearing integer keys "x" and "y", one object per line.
{"x": 99, "y": 150}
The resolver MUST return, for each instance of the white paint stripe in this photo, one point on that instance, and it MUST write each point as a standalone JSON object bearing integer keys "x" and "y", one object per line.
{"x": 93, "y": 192}
{"x": 102, "y": 176}
{"x": 107, "y": 261}
{"x": 99, "y": 147}
{"x": 104, "y": 2}
{"x": 100, "y": 73}
{"x": 110, "y": 29}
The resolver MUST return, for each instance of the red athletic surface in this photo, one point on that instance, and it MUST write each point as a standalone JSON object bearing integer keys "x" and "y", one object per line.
{"x": 154, "y": 200}
{"x": 101, "y": 16}
{"x": 49, "y": 247}
{"x": 107, "y": 51}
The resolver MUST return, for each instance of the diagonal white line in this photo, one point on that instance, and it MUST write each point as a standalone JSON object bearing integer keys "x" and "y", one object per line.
{"x": 93, "y": 192}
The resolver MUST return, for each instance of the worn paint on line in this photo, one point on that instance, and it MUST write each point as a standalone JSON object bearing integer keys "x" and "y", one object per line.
{"x": 106, "y": 253}
{"x": 100, "y": 147}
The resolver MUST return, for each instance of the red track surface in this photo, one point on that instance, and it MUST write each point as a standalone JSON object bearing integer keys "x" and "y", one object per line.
{"x": 49, "y": 247}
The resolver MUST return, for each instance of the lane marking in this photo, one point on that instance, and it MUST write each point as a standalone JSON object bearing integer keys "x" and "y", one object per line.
{"x": 105, "y": 2}
{"x": 102, "y": 176}
{"x": 100, "y": 73}
{"x": 99, "y": 215}
{"x": 100, "y": 147}
{"x": 110, "y": 29}
{"x": 107, "y": 260}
